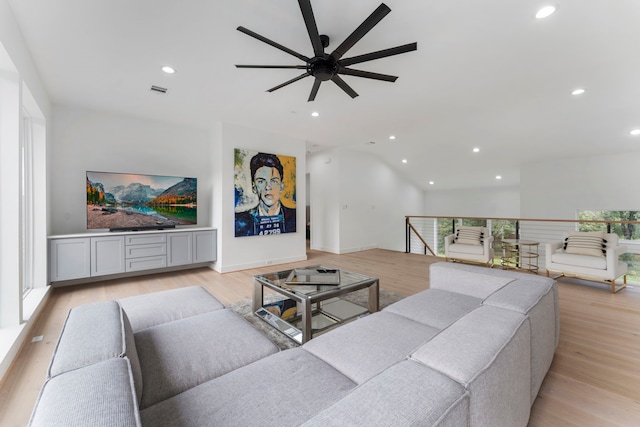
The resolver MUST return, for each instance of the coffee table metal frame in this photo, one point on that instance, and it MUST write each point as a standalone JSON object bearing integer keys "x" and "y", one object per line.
{"x": 310, "y": 296}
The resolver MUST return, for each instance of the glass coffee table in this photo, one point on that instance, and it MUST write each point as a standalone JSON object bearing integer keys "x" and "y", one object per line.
{"x": 312, "y": 300}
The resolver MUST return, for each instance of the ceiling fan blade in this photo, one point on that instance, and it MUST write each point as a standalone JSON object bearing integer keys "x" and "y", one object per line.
{"x": 314, "y": 90}
{"x": 367, "y": 75}
{"x": 360, "y": 32}
{"x": 344, "y": 86}
{"x": 312, "y": 28}
{"x": 300, "y": 77}
{"x": 297, "y": 67}
{"x": 379, "y": 54}
{"x": 272, "y": 43}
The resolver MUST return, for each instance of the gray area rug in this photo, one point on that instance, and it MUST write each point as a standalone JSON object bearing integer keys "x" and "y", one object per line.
{"x": 244, "y": 309}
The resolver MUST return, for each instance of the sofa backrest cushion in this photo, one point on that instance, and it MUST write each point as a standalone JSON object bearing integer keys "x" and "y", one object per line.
{"x": 489, "y": 352}
{"x": 145, "y": 311}
{"x": 473, "y": 283}
{"x": 97, "y": 395}
{"x": 406, "y": 394}
{"x": 93, "y": 333}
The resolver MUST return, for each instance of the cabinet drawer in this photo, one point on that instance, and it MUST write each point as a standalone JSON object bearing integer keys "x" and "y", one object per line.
{"x": 139, "y": 251}
{"x": 145, "y": 239}
{"x": 146, "y": 263}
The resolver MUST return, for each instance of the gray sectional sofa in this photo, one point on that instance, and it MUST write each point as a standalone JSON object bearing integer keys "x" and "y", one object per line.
{"x": 472, "y": 350}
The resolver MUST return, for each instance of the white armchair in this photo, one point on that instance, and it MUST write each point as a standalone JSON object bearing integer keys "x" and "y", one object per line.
{"x": 470, "y": 244}
{"x": 586, "y": 259}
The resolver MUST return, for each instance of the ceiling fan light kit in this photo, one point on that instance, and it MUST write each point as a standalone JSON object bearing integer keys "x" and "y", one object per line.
{"x": 324, "y": 67}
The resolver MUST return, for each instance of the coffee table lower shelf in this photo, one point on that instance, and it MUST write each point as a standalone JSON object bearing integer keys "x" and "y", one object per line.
{"x": 332, "y": 312}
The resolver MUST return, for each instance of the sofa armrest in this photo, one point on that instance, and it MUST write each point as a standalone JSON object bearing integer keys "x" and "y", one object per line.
{"x": 447, "y": 241}
{"x": 488, "y": 243}
{"x": 549, "y": 250}
{"x": 613, "y": 254}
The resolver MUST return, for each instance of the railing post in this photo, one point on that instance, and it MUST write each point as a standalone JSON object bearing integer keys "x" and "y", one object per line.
{"x": 517, "y": 229}
{"x": 608, "y": 227}
{"x": 407, "y": 234}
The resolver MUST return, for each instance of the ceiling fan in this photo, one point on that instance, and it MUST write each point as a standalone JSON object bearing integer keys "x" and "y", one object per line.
{"x": 324, "y": 67}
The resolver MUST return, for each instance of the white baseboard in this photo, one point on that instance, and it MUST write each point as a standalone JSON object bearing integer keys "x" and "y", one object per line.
{"x": 256, "y": 264}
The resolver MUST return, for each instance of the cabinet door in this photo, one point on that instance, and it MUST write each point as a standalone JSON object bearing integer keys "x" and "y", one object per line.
{"x": 179, "y": 248}
{"x": 204, "y": 246}
{"x": 69, "y": 259}
{"x": 107, "y": 255}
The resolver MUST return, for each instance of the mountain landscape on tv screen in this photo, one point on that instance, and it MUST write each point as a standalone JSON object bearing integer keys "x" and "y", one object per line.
{"x": 137, "y": 205}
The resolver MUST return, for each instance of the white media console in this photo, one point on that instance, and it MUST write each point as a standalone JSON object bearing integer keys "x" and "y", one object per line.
{"x": 82, "y": 258}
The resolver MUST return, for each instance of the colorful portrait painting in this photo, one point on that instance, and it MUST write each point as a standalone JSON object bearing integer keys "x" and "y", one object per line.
{"x": 265, "y": 193}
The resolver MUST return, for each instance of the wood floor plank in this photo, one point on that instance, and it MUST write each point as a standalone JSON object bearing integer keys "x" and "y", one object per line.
{"x": 593, "y": 381}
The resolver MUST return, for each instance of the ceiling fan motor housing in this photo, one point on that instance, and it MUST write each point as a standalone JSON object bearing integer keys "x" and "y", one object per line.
{"x": 323, "y": 68}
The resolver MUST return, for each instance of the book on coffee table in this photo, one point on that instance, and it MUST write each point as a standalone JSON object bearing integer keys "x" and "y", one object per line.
{"x": 313, "y": 276}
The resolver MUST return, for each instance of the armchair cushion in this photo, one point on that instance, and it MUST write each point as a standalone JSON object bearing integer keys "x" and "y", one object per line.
{"x": 585, "y": 243}
{"x": 597, "y": 262}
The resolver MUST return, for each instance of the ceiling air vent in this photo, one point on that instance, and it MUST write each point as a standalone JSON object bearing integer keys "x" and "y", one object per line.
{"x": 159, "y": 89}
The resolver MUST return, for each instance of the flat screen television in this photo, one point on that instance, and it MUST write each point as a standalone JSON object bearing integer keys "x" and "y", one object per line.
{"x": 121, "y": 201}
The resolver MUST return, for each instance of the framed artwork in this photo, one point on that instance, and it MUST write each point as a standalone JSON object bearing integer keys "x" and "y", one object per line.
{"x": 265, "y": 193}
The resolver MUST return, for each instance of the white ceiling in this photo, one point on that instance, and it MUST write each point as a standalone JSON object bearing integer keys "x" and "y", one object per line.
{"x": 486, "y": 74}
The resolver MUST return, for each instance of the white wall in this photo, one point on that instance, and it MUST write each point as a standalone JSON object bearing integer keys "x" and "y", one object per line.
{"x": 499, "y": 202}
{"x": 359, "y": 202}
{"x": 558, "y": 188}
{"x": 324, "y": 201}
{"x": 86, "y": 140}
{"x": 253, "y": 251}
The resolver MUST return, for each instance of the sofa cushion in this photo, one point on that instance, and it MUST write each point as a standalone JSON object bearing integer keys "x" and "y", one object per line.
{"x": 367, "y": 346}
{"x": 156, "y": 308}
{"x": 406, "y": 394}
{"x": 98, "y": 395}
{"x": 280, "y": 390}
{"x": 585, "y": 243}
{"x": 91, "y": 333}
{"x": 489, "y": 352}
{"x": 435, "y": 307}
{"x": 444, "y": 269}
{"x": 466, "y": 235}
{"x": 132, "y": 354}
{"x": 587, "y": 261}
{"x": 539, "y": 301}
{"x": 477, "y": 282}
{"x": 179, "y": 355}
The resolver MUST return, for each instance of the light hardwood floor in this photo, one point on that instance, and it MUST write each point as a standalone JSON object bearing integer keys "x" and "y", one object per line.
{"x": 594, "y": 379}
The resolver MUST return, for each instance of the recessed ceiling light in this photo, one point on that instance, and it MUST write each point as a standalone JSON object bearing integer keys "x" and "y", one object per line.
{"x": 545, "y": 12}
{"x": 404, "y": 160}
{"x": 498, "y": 177}
{"x": 476, "y": 150}
{"x": 168, "y": 70}
{"x": 635, "y": 132}
{"x": 315, "y": 114}
{"x": 392, "y": 137}
{"x": 431, "y": 182}
{"x": 578, "y": 91}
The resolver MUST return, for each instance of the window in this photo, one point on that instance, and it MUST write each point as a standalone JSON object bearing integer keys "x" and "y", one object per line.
{"x": 27, "y": 242}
